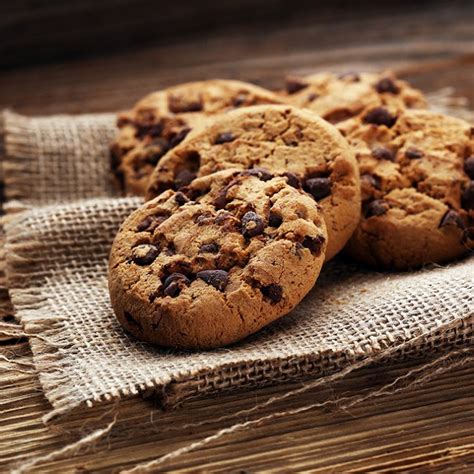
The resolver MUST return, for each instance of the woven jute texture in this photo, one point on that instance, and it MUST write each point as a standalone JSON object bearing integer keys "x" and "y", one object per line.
{"x": 56, "y": 170}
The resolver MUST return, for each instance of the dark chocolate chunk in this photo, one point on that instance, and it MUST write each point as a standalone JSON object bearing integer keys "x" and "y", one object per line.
{"x": 319, "y": 188}
{"x": 387, "y": 84}
{"x": 452, "y": 218}
{"x": 413, "y": 153}
{"x": 183, "y": 178}
{"x": 209, "y": 248}
{"x": 349, "y": 75}
{"x": 224, "y": 137}
{"x": 293, "y": 180}
{"x": 275, "y": 220}
{"x": 178, "y": 137}
{"x": 150, "y": 223}
{"x": 239, "y": 99}
{"x": 380, "y": 116}
{"x": 371, "y": 180}
{"x": 314, "y": 244}
{"x": 180, "y": 198}
{"x": 273, "y": 291}
{"x": 180, "y": 104}
{"x": 469, "y": 167}
{"x": 294, "y": 84}
{"x": 260, "y": 173}
{"x": 382, "y": 153}
{"x": 377, "y": 207}
{"x": 204, "y": 218}
{"x": 217, "y": 278}
{"x": 468, "y": 196}
{"x": 174, "y": 284}
{"x": 144, "y": 254}
{"x": 252, "y": 224}
{"x": 221, "y": 200}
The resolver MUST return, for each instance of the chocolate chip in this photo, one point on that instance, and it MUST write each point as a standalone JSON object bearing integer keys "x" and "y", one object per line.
{"x": 209, "y": 248}
{"x": 252, "y": 224}
{"x": 150, "y": 223}
{"x": 144, "y": 254}
{"x": 382, "y": 153}
{"x": 294, "y": 84}
{"x": 371, "y": 180}
{"x": 221, "y": 200}
{"x": 178, "y": 104}
{"x": 292, "y": 180}
{"x": 469, "y": 167}
{"x": 183, "y": 178}
{"x": 224, "y": 137}
{"x": 204, "y": 218}
{"x": 452, "y": 218}
{"x": 217, "y": 278}
{"x": 148, "y": 129}
{"x": 178, "y": 137}
{"x": 273, "y": 291}
{"x": 131, "y": 320}
{"x": 350, "y": 75}
{"x": 314, "y": 244}
{"x": 144, "y": 224}
{"x": 413, "y": 153}
{"x": 468, "y": 196}
{"x": 174, "y": 284}
{"x": 377, "y": 207}
{"x": 180, "y": 198}
{"x": 386, "y": 84}
{"x": 275, "y": 220}
{"x": 380, "y": 116}
{"x": 319, "y": 188}
{"x": 260, "y": 173}
{"x": 239, "y": 99}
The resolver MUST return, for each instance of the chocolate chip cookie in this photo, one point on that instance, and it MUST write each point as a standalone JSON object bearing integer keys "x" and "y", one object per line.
{"x": 417, "y": 178}
{"x": 216, "y": 261}
{"x": 338, "y": 97}
{"x": 161, "y": 120}
{"x": 283, "y": 140}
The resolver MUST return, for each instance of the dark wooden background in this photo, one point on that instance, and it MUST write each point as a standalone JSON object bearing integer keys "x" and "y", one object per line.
{"x": 89, "y": 56}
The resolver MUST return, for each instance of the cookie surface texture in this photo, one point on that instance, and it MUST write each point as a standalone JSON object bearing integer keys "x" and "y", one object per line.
{"x": 211, "y": 264}
{"x": 417, "y": 172}
{"x": 338, "y": 97}
{"x": 281, "y": 140}
{"x": 161, "y": 120}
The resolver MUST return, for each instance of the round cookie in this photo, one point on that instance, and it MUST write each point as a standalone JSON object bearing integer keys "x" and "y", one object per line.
{"x": 338, "y": 97}
{"x": 417, "y": 171}
{"x": 217, "y": 261}
{"x": 161, "y": 120}
{"x": 283, "y": 140}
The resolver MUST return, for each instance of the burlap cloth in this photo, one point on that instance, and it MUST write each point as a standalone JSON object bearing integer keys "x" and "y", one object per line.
{"x": 56, "y": 171}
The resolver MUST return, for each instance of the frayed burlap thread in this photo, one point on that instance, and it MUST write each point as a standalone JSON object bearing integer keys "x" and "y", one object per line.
{"x": 56, "y": 170}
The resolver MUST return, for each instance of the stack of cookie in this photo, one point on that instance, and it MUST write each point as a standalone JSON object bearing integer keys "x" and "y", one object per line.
{"x": 248, "y": 192}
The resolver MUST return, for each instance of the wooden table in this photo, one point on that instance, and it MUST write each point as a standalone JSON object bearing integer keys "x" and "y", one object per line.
{"x": 428, "y": 428}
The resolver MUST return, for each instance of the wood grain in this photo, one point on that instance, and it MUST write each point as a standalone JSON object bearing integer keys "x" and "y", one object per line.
{"x": 429, "y": 428}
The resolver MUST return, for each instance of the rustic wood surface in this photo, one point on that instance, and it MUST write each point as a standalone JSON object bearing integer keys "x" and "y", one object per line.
{"x": 427, "y": 428}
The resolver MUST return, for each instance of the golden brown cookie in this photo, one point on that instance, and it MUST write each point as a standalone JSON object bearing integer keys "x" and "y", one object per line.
{"x": 161, "y": 120}
{"x": 282, "y": 140}
{"x": 217, "y": 261}
{"x": 338, "y": 97}
{"x": 417, "y": 171}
